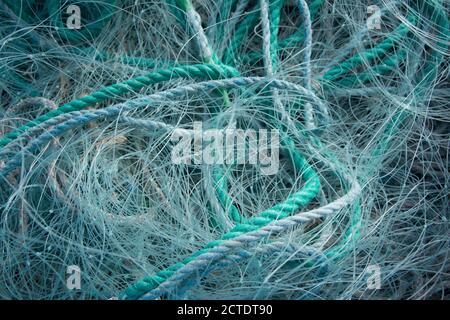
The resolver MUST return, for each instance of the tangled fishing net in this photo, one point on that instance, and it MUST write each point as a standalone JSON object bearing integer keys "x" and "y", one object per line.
{"x": 90, "y": 117}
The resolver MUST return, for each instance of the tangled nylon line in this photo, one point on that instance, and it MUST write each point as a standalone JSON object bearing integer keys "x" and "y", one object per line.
{"x": 363, "y": 130}
{"x": 68, "y": 121}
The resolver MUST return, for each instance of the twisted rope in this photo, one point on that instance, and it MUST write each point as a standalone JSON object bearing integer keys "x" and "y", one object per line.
{"x": 369, "y": 55}
{"x": 304, "y": 10}
{"x": 242, "y": 254}
{"x": 195, "y": 22}
{"x": 277, "y": 226}
{"x": 208, "y": 71}
{"x": 71, "y": 120}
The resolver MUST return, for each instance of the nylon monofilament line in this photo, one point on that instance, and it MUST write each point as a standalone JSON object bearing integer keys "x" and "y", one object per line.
{"x": 185, "y": 149}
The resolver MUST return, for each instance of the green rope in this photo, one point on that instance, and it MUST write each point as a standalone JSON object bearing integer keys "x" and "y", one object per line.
{"x": 202, "y": 71}
{"x": 279, "y": 211}
{"x": 343, "y": 74}
{"x": 293, "y": 40}
{"x": 369, "y": 55}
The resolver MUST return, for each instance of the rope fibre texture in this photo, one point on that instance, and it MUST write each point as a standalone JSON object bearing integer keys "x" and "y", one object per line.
{"x": 280, "y": 217}
{"x": 206, "y": 258}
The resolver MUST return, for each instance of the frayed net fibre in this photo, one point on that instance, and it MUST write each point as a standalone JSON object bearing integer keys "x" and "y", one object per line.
{"x": 87, "y": 176}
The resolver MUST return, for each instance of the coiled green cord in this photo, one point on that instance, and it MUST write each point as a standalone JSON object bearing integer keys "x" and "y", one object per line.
{"x": 293, "y": 40}
{"x": 202, "y": 71}
{"x": 334, "y": 75}
{"x": 388, "y": 63}
{"x": 352, "y": 232}
{"x": 279, "y": 211}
